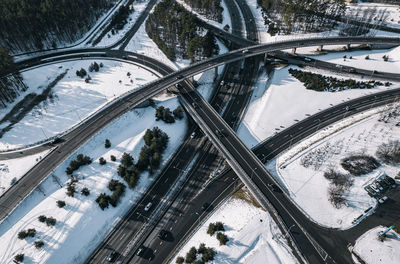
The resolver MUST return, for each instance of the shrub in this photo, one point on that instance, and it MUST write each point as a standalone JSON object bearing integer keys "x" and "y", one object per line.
{"x": 359, "y": 164}
{"x": 385, "y": 57}
{"x": 85, "y": 191}
{"x": 214, "y": 227}
{"x": 42, "y": 218}
{"x": 337, "y": 195}
{"x": 60, "y": 204}
{"x": 19, "y": 257}
{"x": 39, "y": 244}
{"x": 102, "y": 161}
{"x": 191, "y": 255}
{"x": 208, "y": 255}
{"x": 178, "y": 113}
{"x": 22, "y": 234}
{"x": 389, "y": 152}
{"x": 222, "y": 238}
{"x": 179, "y": 260}
{"x": 76, "y": 164}
{"x": 113, "y": 158}
{"x": 367, "y": 57}
{"x": 103, "y": 200}
{"x": 107, "y": 143}
{"x": 50, "y": 221}
{"x": 71, "y": 190}
{"x": 81, "y": 73}
{"x": 31, "y": 232}
{"x": 339, "y": 179}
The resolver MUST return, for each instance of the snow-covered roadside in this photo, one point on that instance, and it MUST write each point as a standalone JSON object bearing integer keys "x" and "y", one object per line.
{"x": 372, "y": 250}
{"x": 226, "y": 18}
{"x": 12, "y": 170}
{"x": 253, "y": 236}
{"x": 81, "y": 225}
{"x": 257, "y": 13}
{"x": 72, "y": 98}
{"x": 110, "y": 39}
{"x": 278, "y": 102}
{"x": 308, "y": 187}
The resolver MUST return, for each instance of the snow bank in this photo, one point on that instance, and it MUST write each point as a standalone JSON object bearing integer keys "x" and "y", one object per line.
{"x": 73, "y": 98}
{"x": 253, "y": 236}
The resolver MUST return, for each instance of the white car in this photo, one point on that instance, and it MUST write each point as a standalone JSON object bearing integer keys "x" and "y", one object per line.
{"x": 383, "y": 199}
{"x": 147, "y": 207}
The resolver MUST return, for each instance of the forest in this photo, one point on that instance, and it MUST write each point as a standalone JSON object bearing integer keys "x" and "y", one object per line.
{"x": 211, "y": 9}
{"x": 288, "y": 16}
{"x": 178, "y": 33}
{"x": 10, "y": 84}
{"x": 37, "y": 24}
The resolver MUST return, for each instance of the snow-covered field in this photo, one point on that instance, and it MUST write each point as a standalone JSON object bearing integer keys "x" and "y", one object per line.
{"x": 253, "y": 236}
{"x": 12, "y": 170}
{"x": 390, "y": 14}
{"x": 373, "y": 251}
{"x": 280, "y": 100}
{"x": 73, "y": 98}
{"x": 81, "y": 225}
{"x": 308, "y": 187}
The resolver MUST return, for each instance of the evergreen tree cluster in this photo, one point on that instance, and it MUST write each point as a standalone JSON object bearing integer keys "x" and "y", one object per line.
{"x": 165, "y": 114}
{"x": 118, "y": 189}
{"x": 207, "y": 254}
{"x": 76, "y": 164}
{"x": 287, "y": 16}
{"x": 214, "y": 227}
{"x": 211, "y": 9}
{"x": 50, "y": 221}
{"x": 318, "y": 82}
{"x": 11, "y": 82}
{"x": 156, "y": 141}
{"x": 121, "y": 17}
{"x": 178, "y": 33}
{"x": 37, "y": 24}
{"x": 31, "y": 232}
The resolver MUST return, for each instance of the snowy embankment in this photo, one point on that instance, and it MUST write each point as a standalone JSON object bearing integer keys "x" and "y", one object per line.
{"x": 81, "y": 225}
{"x": 253, "y": 236}
{"x": 282, "y": 100}
{"x": 70, "y": 100}
{"x": 110, "y": 38}
{"x": 372, "y": 250}
{"x": 307, "y": 186}
{"x": 11, "y": 170}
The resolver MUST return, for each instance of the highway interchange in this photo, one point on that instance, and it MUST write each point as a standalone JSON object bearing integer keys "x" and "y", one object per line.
{"x": 212, "y": 122}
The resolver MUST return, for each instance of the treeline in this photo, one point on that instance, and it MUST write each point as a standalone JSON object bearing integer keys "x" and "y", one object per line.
{"x": 10, "y": 84}
{"x": 37, "y": 24}
{"x": 178, "y": 33}
{"x": 288, "y": 16}
{"x": 211, "y": 9}
{"x": 318, "y": 82}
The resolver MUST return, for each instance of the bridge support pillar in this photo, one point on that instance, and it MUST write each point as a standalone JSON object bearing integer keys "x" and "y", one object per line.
{"x": 293, "y": 50}
{"x": 320, "y": 47}
{"x": 215, "y": 73}
{"x": 348, "y": 47}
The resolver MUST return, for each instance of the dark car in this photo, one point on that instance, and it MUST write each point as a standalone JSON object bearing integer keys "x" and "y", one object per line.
{"x": 163, "y": 234}
{"x": 205, "y": 206}
{"x": 140, "y": 251}
{"x": 274, "y": 187}
{"x": 112, "y": 256}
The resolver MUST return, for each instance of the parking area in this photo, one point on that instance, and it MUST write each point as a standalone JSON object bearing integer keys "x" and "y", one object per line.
{"x": 380, "y": 187}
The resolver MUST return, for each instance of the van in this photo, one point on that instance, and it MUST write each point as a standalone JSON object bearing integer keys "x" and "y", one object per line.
{"x": 147, "y": 207}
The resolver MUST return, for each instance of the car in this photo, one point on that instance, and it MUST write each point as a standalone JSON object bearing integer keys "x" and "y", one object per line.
{"x": 163, "y": 234}
{"x": 222, "y": 82}
{"x": 140, "y": 251}
{"x": 274, "y": 187}
{"x": 352, "y": 70}
{"x": 111, "y": 257}
{"x": 193, "y": 135}
{"x": 245, "y": 51}
{"x": 147, "y": 207}
{"x": 205, "y": 206}
{"x": 195, "y": 105}
{"x": 339, "y": 66}
{"x": 179, "y": 77}
{"x": 382, "y": 200}
{"x": 307, "y": 59}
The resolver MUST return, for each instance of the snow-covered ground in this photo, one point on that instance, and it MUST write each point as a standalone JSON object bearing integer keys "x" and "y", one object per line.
{"x": 307, "y": 186}
{"x": 390, "y": 14}
{"x": 73, "y": 98}
{"x": 253, "y": 236}
{"x": 110, "y": 39}
{"x": 373, "y": 251}
{"x": 13, "y": 169}
{"x": 81, "y": 225}
{"x": 281, "y": 100}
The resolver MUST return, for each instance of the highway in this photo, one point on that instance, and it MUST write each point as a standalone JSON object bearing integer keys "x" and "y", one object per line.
{"x": 80, "y": 135}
